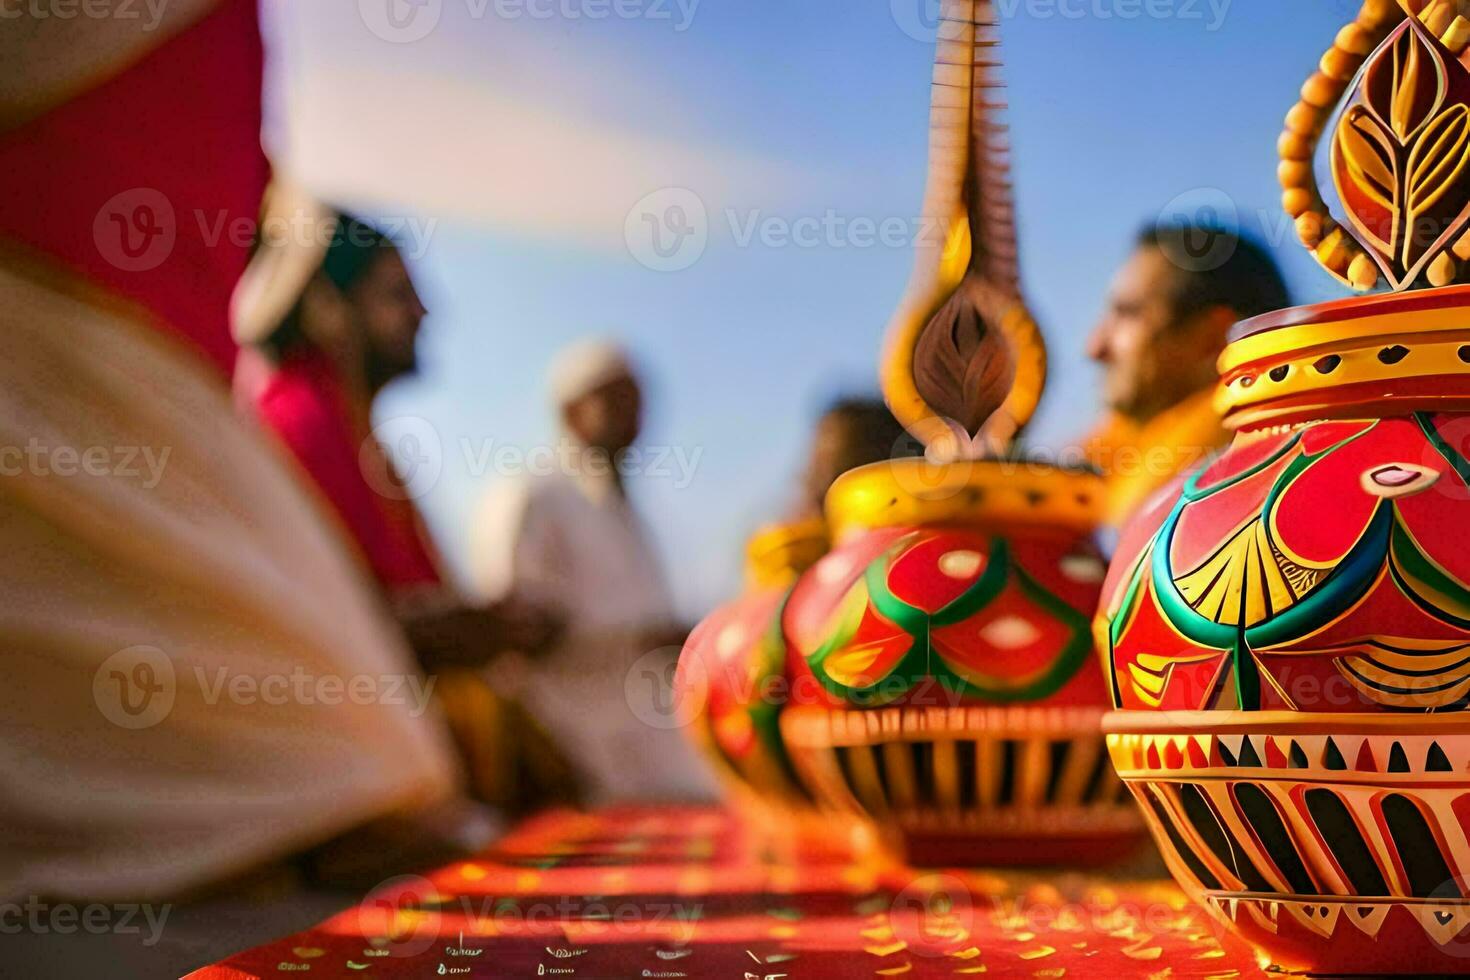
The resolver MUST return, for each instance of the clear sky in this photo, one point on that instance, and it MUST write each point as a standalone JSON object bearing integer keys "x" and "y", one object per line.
{"x": 512, "y": 142}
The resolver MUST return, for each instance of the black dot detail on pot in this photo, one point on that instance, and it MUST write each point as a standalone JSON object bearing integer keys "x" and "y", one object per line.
{"x": 1464, "y": 353}
{"x": 1280, "y": 373}
{"x": 1328, "y": 364}
{"x": 1394, "y": 354}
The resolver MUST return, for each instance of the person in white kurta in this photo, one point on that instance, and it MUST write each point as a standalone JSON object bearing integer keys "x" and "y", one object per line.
{"x": 565, "y": 536}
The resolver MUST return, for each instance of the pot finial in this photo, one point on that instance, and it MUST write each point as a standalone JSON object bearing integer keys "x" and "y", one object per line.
{"x": 965, "y": 363}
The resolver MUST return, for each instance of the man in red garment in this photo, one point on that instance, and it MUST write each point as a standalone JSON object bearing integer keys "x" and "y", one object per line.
{"x": 338, "y": 317}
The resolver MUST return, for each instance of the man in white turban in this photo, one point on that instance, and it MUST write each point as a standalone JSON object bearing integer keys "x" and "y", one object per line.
{"x": 565, "y": 536}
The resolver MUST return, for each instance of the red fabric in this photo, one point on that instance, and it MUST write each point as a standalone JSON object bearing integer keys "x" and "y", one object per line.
{"x": 303, "y": 403}
{"x": 169, "y": 150}
{"x": 692, "y": 893}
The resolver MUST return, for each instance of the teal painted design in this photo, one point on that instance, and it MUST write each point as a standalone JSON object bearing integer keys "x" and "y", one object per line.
{"x": 922, "y": 663}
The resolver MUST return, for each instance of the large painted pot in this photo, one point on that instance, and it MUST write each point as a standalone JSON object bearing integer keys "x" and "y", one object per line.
{"x": 1289, "y": 637}
{"x": 943, "y": 680}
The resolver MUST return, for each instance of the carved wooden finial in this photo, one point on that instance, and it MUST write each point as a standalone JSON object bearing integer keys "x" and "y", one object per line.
{"x": 965, "y": 363}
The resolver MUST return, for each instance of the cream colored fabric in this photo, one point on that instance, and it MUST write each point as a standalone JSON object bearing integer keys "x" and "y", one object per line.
{"x": 1139, "y": 460}
{"x": 569, "y": 541}
{"x": 145, "y": 532}
{"x": 296, "y": 232}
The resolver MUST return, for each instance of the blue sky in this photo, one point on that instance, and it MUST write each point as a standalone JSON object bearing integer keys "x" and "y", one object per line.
{"x": 515, "y": 137}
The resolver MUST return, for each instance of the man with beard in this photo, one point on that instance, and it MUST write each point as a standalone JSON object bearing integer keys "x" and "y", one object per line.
{"x": 1169, "y": 310}
{"x": 333, "y": 309}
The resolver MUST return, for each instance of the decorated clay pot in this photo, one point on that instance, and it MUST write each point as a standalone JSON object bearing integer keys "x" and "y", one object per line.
{"x": 943, "y": 680}
{"x": 733, "y": 669}
{"x": 1289, "y": 638}
{"x": 1289, "y": 629}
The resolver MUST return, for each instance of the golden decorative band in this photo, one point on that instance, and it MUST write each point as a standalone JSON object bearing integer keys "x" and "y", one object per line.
{"x": 993, "y": 493}
{"x": 1371, "y": 353}
{"x": 821, "y": 728}
{"x": 867, "y": 757}
{"x": 1180, "y": 724}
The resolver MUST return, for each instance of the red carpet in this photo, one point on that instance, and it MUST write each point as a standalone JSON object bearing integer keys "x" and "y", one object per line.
{"x": 669, "y": 893}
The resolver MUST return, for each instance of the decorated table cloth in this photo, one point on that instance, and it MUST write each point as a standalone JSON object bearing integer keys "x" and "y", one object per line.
{"x": 699, "y": 893}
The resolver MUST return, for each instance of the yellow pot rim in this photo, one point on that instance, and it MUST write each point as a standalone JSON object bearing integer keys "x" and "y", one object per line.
{"x": 1377, "y": 355}
{"x": 987, "y": 493}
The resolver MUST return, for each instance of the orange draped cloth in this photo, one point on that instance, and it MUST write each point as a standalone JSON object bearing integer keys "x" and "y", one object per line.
{"x": 1139, "y": 459}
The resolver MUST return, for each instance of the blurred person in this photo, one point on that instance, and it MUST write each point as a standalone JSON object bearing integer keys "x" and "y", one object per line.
{"x": 140, "y": 605}
{"x": 569, "y": 537}
{"x": 1169, "y": 310}
{"x": 331, "y": 306}
{"x": 852, "y": 432}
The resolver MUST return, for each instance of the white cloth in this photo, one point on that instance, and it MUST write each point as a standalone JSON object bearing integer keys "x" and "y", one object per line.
{"x": 582, "y": 368}
{"x": 180, "y": 627}
{"x": 576, "y": 545}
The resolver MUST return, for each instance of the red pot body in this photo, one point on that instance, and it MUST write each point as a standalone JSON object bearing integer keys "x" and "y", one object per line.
{"x": 1288, "y": 634}
{"x": 943, "y": 679}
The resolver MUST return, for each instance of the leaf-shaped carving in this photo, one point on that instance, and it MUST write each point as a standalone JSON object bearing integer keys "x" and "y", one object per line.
{"x": 1366, "y": 151}
{"x": 1404, "y": 84}
{"x": 1437, "y": 162}
{"x": 1401, "y": 154}
{"x": 962, "y": 362}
